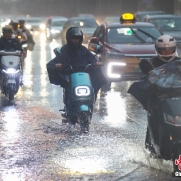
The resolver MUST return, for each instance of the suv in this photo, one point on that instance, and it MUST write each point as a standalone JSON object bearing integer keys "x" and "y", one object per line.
{"x": 54, "y": 27}
{"x": 120, "y": 47}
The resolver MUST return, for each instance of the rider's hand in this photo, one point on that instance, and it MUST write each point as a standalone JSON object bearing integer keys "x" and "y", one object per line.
{"x": 58, "y": 65}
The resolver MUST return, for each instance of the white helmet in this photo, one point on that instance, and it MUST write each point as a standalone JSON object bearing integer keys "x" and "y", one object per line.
{"x": 166, "y": 42}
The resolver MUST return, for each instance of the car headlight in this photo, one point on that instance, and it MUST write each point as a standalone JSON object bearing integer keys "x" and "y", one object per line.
{"x": 11, "y": 71}
{"x": 110, "y": 67}
{"x": 82, "y": 91}
{"x": 28, "y": 26}
{"x": 53, "y": 31}
{"x": 173, "y": 120}
{"x": 24, "y": 45}
{"x": 42, "y": 26}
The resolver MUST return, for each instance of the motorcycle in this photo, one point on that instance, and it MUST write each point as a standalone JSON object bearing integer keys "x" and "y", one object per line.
{"x": 163, "y": 136}
{"x": 11, "y": 73}
{"x": 81, "y": 96}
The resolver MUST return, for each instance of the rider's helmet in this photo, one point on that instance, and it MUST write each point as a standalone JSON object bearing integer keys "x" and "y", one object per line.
{"x": 74, "y": 32}
{"x": 21, "y": 21}
{"x": 15, "y": 25}
{"x": 7, "y": 28}
{"x": 166, "y": 47}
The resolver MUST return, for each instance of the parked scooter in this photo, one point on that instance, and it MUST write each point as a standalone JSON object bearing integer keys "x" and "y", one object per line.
{"x": 81, "y": 97}
{"x": 11, "y": 73}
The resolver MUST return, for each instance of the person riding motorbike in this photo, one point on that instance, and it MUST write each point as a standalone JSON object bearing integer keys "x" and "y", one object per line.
{"x": 74, "y": 53}
{"x": 7, "y": 42}
{"x": 30, "y": 40}
{"x": 17, "y": 31}
{"x": 166, "y": 49}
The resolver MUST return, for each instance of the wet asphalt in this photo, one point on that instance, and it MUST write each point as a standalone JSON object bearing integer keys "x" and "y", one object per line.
{"x": 36, "y": 146}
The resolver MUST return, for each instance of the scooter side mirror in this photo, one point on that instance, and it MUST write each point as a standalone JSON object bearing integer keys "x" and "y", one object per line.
{"x": 57, "y": 51}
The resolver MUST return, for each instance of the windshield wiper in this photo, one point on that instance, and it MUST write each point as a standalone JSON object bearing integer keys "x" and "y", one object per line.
{"x": 147, "y": 34}
{"x": 136, "y": 35}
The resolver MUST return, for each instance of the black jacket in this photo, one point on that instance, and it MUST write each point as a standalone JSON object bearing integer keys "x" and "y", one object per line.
{"x": 80, "y": 57}
{"x": 9, "y": 44}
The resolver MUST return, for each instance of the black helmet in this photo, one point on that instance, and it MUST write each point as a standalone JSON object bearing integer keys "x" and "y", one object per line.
{"x": 7, "y": 28}
{"x": 21, "y": 21}
{"x": 74, "y": 32}
{"x": 15, "y": 25}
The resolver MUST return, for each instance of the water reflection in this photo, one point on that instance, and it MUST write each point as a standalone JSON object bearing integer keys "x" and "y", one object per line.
{"x": 11, "y": 126}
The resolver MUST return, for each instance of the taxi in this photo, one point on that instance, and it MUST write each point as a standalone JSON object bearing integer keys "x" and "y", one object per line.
{"x": 121, "y": 45}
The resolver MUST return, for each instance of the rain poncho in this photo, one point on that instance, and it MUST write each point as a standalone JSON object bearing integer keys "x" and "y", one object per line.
{"x": 80, "y": 57}
{"x": 164, "y": 79}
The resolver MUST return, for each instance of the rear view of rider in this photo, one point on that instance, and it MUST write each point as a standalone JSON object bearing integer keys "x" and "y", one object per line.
{"x": 74, "y": 53}
{"x": 30, "y": 40}
{"x": 17, "y": 31}
{"x": 166, "y": 49}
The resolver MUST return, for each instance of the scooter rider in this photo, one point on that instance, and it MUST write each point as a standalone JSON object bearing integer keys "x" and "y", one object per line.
{"x": 74, "y": 53}
{"x": 7, "y": 42}
{"x": 17, "y": 31}
{"x": 166, "y": 49}
{"x": 28, "y": 34}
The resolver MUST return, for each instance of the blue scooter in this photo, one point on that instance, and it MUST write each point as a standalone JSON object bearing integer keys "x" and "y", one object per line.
{"x": 80, "y": 96}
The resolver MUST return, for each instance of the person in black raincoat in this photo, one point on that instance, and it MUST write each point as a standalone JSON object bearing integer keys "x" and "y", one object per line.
{"x": 166, "y": 52}
{"x": 6, "y": 40}
{"x": 74, "y": 53}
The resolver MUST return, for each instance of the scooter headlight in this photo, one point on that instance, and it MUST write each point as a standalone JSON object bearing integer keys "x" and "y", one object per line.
{"x": 82, "y": 91}
{"x": 173, "y": 120}
{"x": 11, "y": 71}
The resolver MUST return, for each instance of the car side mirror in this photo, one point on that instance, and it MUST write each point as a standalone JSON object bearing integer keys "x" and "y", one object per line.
{"x": 57, "y": 51}
{"x": 94, "y": 45}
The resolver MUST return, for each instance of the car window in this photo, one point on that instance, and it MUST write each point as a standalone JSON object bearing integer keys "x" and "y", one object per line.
{"x": 101, "y": 34}
{"x": 33, "y": 20}
{"x": 84, "y": 23}
{"x": 132, "y": 35}
{"x": 173, "y": 24}
{"x": 96, "y": 33}
{"x": 58, "y": 23}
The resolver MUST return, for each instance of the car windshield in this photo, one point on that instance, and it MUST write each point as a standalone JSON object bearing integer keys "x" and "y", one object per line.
{"x": 58, "y": 23}
{"x": 33, "y": 20}
{"x": 171, "y": 24}
{"x": 132, "y": 35}
{"x": 84, "y": 23}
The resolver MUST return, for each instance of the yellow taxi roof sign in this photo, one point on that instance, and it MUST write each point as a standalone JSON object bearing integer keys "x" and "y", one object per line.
{"x": 127, "y": 18}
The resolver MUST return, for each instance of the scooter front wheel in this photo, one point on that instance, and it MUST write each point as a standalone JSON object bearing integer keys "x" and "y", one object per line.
{"x": 84, "y": 123}
{"x": 11, "y": 96}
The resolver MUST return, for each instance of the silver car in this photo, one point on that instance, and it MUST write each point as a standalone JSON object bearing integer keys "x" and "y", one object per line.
{"x": 87, "y": 24}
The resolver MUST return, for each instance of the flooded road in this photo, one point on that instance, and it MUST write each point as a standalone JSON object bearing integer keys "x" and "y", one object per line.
{"x": 37, "y": 146}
